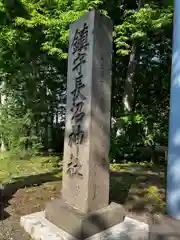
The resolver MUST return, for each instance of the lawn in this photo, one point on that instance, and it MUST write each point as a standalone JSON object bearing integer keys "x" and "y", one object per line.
{"x": 30, "y": 184}
{"x": 13, "y": 168}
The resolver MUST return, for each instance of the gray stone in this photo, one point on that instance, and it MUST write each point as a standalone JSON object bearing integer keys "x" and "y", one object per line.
{"x": 82, "y": 225}
{"x": 86, "y": 179}
{"x": 41, "y": 229}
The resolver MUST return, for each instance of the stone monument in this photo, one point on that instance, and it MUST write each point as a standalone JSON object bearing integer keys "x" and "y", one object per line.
{"x": 84, "y": 208}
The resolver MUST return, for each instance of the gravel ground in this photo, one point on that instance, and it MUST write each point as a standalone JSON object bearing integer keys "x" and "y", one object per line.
{"x": 22, "y": 202}
{"x": 16, "y": 202}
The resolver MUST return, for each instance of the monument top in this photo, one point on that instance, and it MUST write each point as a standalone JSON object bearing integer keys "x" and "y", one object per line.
{"x": 90, "y": 12}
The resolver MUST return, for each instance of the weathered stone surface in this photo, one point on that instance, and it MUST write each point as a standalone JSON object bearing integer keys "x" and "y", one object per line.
{"x": 82, "y": 225}
{"x": 86, "y": 178}
{"x": 41, "y": 229}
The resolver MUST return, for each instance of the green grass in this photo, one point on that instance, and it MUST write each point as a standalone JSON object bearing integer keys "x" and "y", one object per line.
{"x": 139, "y": 189}
{"x": 127, "y": 166}
{"x": 11, "y": 167}
{"x": 141, "y": 186}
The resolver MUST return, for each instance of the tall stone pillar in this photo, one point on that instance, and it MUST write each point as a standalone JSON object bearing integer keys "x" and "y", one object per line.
{"x": 84, "y": 208}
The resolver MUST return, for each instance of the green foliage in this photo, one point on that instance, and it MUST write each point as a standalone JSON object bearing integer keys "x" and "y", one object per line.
{"x": 140, "y": 25}
{"x": 13, "y": 168}
{"x": 17, "y": 131}
{"x": 33, "y": 68}
{"x": 129, "y": 137}
{"x": 153, "y": 192}
{"x": 150, "y": 30}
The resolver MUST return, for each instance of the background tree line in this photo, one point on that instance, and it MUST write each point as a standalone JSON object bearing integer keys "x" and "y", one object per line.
{"x": 33, "y": 71}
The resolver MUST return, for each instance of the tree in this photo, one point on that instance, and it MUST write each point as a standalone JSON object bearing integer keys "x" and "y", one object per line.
{"x": 33, "y": 63}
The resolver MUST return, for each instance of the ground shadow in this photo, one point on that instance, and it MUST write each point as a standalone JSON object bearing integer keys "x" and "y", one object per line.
{"x": 7, "y": 191}
{"x": 96, "y": 221}
{"x": 3, "y": 214}
{"x": 167, "y": 228}
{"x": 120, "y": 184}
{"x": 102, "y": 228}
{"x": 131, "y": 189}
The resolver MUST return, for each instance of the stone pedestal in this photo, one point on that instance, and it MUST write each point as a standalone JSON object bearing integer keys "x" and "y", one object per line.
{"x": 81, "y": 225}
{"x": 41, "y": 229}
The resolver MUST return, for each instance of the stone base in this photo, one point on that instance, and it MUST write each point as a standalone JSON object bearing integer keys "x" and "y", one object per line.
{"x": 40, "y": 228}
{"x": 83, "y": 225}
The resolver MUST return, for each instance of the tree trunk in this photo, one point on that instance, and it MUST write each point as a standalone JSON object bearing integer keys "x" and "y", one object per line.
{"x": 128, "y": 88}
{"x": 2, "y": 102}
{"x": 3, "y": 147}
{"x": 128, "y": 96}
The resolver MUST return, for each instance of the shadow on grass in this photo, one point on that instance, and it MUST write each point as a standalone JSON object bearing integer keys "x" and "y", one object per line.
{"x": 8, "y": 190}
{"x": 131, "y": 190}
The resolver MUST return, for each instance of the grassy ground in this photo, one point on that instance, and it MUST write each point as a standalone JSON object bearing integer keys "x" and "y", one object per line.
{"x": 30, "y": 184}
{"x": 11, "y": 168}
